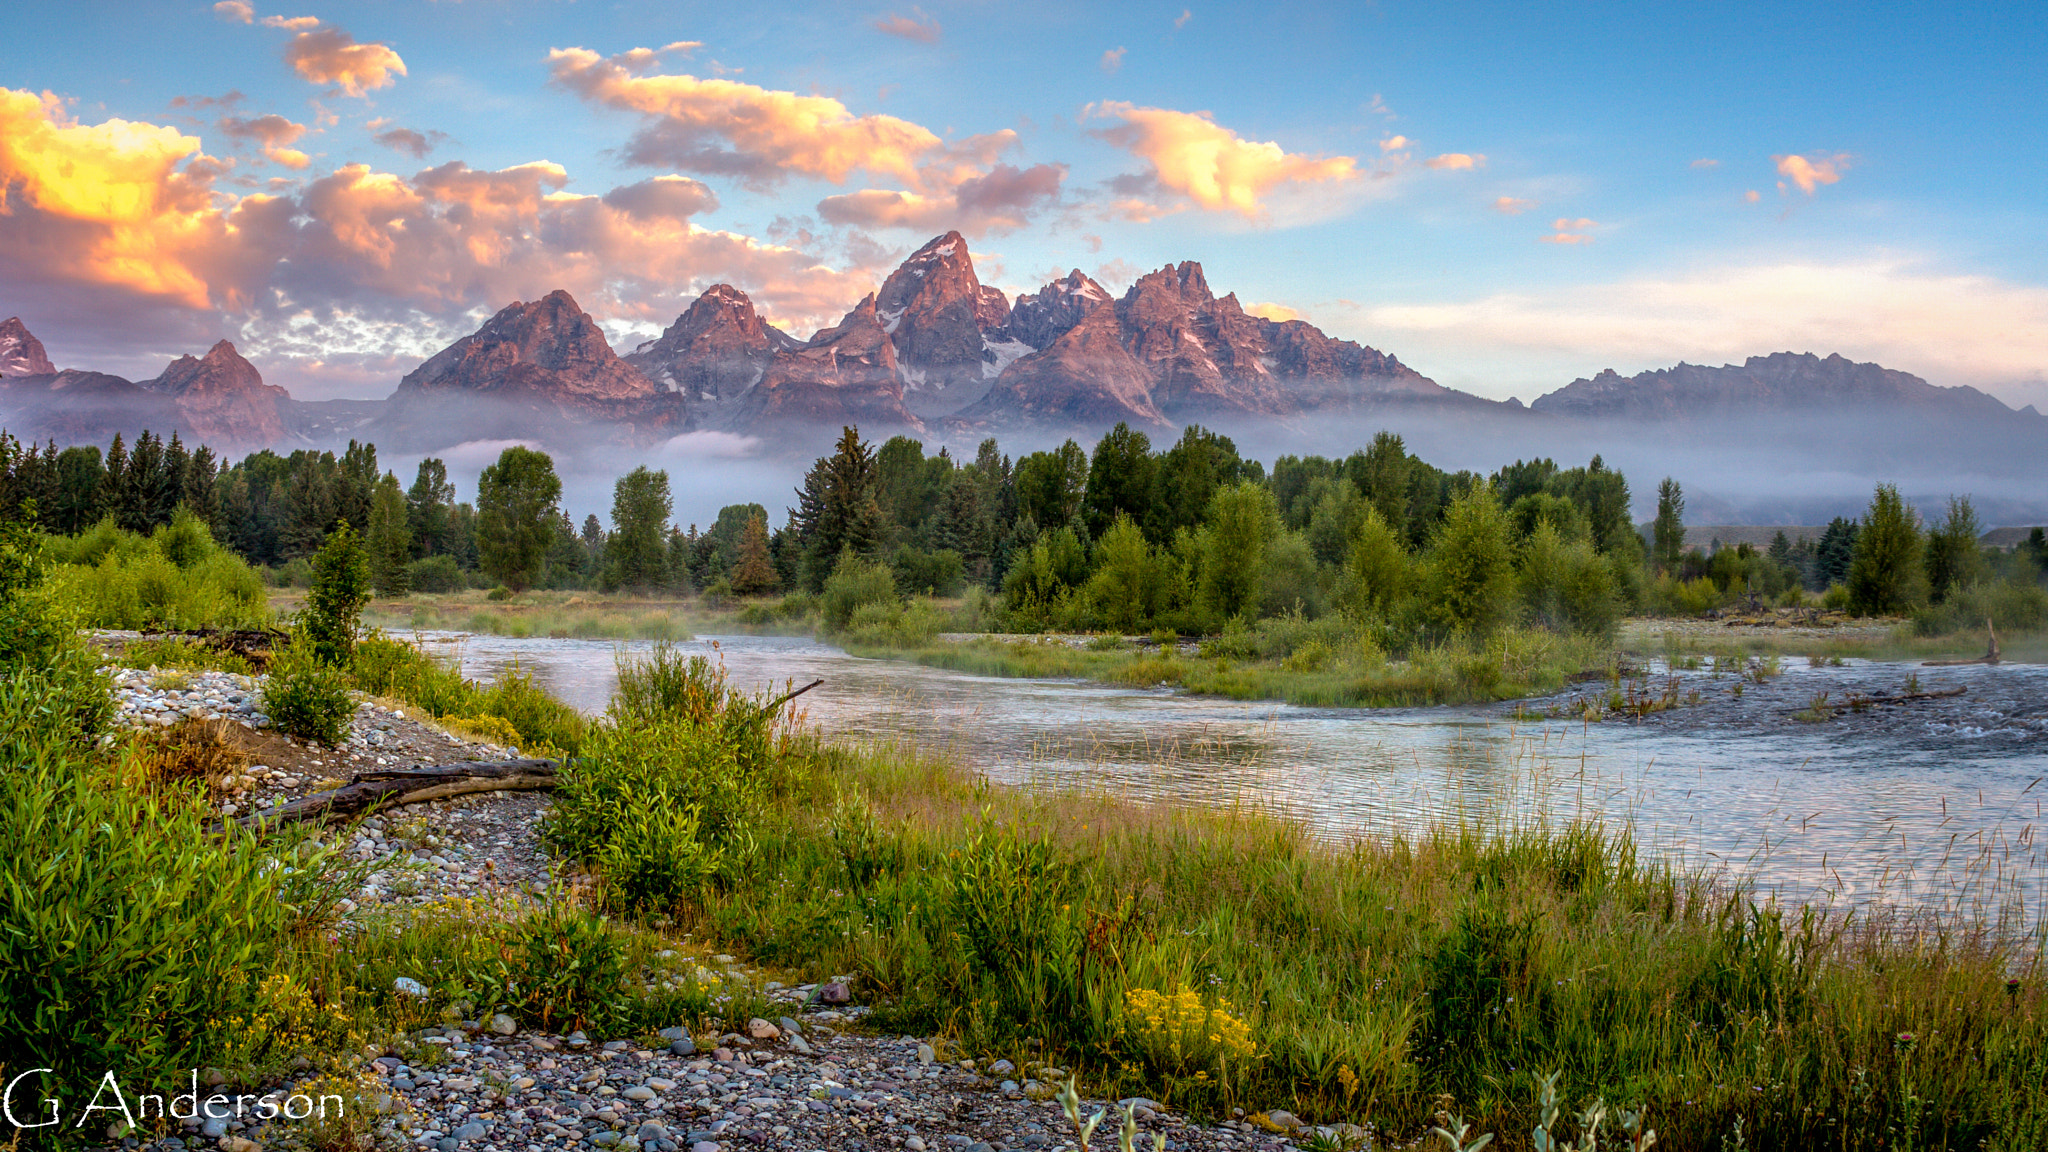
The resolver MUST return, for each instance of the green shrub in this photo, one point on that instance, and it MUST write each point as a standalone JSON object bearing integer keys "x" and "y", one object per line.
{"x": 854, "y": 583}
{"x": 341, "y": 586}
{"x": 305, "y": 696}
{"x": 927, "y": 572}
{"x": 177, "y": 579}
{"x": 546, "y": 726}
{"x": 434, "y": 574}
{"x": 654, "y": 861}
{"x": 2009, "y": 605}
{"x": 130, "y": 932}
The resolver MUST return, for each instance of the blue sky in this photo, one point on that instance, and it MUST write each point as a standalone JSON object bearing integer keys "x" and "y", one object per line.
{"x": 1615, "y": 186}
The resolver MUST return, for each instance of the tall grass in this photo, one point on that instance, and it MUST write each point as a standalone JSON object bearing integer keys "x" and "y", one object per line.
{"x": 545, "y": 726}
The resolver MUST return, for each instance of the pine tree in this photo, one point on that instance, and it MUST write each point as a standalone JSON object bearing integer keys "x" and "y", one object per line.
{"x": 754, "y": 573}
{"x": 389, "y": 542}
{"x": 1954, "y": 558}
{"x": 1885, "y": 574}
{"x": 836, "y": 508}
{"x": 1668, "y": 533}
{"x": 428, "y": 504}
{"x": 1120, "y": 477}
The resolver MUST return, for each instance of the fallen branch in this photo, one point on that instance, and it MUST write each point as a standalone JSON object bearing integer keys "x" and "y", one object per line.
{"x": 1867, "y": 701}
{"x": 375, "y": 790}
{"x": 786, "y": 697}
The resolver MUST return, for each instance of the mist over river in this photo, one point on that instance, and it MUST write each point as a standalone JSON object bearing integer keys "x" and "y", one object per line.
{"x": 1937, "y": 808}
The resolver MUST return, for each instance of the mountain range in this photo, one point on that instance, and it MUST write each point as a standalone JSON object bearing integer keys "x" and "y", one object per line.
{"x": 934, "y": 352}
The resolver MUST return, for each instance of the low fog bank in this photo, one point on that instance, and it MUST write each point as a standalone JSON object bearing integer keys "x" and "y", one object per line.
{"x": 1778, "y": 470}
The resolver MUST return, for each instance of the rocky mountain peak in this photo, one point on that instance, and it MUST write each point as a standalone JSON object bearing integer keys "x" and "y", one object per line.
{"x": 21, "y": 354}
{"x": 1046, "y": 315}
{"x": 716, "y": 349}
{"x": 935, "y": 312}
{"x": 222, "y": 369}
{"x": 1781, "y": 381}
{"x": 222, "y": 399}
{"x": 551, "y": 344}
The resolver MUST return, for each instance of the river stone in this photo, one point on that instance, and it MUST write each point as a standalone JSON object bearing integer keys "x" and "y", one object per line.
{"x": 639, "y": 1092}
{"x": 410, "y": 987}
{"x": 1287, "y": 1120}
{"x": 925, "y": 1055}
{"x": 1000, "y": 1067}
{"x": 788, "y": 1025}
{"x": 684, "y": 1047}
{"x": 674, "y": 1032}
{"x": 760, "y": 1029}
{"x": 503, "y": 1025}
{"x": 836, "y": 992}
{"x": 799, "y": 1044}
{"x": 215, "y": 1128}
{"x": 474, "y": 1130}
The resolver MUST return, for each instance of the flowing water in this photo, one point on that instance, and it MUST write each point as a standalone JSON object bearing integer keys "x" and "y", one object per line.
{"x": 1934, "y": 805}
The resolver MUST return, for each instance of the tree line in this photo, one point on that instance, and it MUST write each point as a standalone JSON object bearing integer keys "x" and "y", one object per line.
{"x": 1187, "y": 536}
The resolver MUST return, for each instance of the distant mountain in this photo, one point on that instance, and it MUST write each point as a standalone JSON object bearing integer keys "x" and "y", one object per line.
{"x": 1779, "y": 383}
{"x": 540, "y": 370}
{"x": 715, "y": 351}
{"x": 223, "y": 401}
{"x": 846, "y": 374}
{"x": 21, "y": 354}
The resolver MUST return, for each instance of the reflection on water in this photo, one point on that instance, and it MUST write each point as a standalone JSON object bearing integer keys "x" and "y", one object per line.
{"x": 1811, "y": 812}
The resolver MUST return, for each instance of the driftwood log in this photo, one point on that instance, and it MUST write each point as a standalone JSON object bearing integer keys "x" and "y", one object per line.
{"x": 1867, "y": 701}
{"x": 380, "y": 788}
{"x": 251, "y": 644}
{"x": 367, "y": 792}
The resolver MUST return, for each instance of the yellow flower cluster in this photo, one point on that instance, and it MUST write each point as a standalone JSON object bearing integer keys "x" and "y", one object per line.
{"x": 1177, "y": 1030}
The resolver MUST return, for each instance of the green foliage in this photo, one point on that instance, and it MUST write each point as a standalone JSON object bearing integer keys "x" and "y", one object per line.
{"x": 935, "y": 572}
{"x": 1566, "y": 585}
{"x": 434, "y": 574}
{"x": 1954, "y": 558}
{"x": 1120, "y": 480}
{"x": 306, "y": 696}
{"x": 837, "y": 510}
{"x": 341, "y": 586}
{"x": 636, "y": 549}
{"x": 1668, "y": 532}
{"x": 754, "y": 574}
{"x": 1468, "y": 579}
{"x": 855, "y": 583}
{"x": 516, "y": 512}
{"x": 130, "y": 932}
{"x": 176, "y": 578}
{"x": 1244, "y": 519}
{"x": 389, "y": 541}
{"x": 1126, "y": 591}
{"x": 1885, "y": 576}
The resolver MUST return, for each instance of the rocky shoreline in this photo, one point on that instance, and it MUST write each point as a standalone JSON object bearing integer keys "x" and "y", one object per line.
{"x": 807, "y": 1081}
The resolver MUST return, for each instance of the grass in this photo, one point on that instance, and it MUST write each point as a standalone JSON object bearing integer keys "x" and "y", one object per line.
{"x": 580, "y": 615}
{"x": 1317, "y": 673}
{"x": 1897, "y": 640}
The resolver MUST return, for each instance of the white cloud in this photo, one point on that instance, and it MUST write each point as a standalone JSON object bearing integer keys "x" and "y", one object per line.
{"x": 1112, "y": 60}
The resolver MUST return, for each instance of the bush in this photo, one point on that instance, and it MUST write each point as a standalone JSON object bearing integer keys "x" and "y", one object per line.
{"x": 434, "y": 574}
{"x": 2008, "y": 605}
{"x": 853, "y": 583}
{"x": 306, "y": 697}
{"x": 923, "y": 572}
{"x": 178, "y": 578}
{"x": 341, "y": 586}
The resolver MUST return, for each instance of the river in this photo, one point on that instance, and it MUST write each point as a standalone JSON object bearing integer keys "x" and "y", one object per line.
{"x": 1911, "y": 807}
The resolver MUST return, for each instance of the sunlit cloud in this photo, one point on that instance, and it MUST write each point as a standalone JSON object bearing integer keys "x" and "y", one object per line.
{"x": 1271, "y": 311}
{"x": 1706, "y": 164}
{"x": 1395, "y": 143}
{"x": 409, "y": 141}
{"x": 1752, "y": 195}
{"x": 1456, "y": 161}
{"x": 1191, "y": 155}
{"x": 235, "y": 11}
{"x": 1112, "y": 61}
{"x": 1810, "y": 172}
{"x": 916, "y": 26}
{"x": 292, "y": 23}
{"x": 1001, "y": 201}
{"x": 272, "y": 133}
{"x": 1181, "y": 21}
{"x": 332, "y": 56}
{"x": 1512, "y": 206}
{"x": 1568, "y": 231}
{"x": 763, "y": 136}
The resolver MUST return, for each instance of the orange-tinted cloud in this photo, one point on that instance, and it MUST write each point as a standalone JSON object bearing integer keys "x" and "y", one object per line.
{"x": 1706, "y": 164}
{"x": 1752, "y": 196}
{"x": 107, "y": 203}
{"x": 916, "y": 26}
{"x": 1112, "y": 60}
{"x": 1809, "y": 173}
{"x": 1569, "y": 231}
{"x": 1512, "y": 206}
{"x": 235, "y": 11}
{"x": 724, "y": 127}
{"x": 1193, "y": 156}
{"x": 1003, "y": 200}
{"x": 292, "y": 23}
{"x": 272, "y": 133}
{"x": 1270, "y": 311}
{"x": 1395, "y": 143}
{"x": 332, "y": 56}
{"x": 1456, "y": 161}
